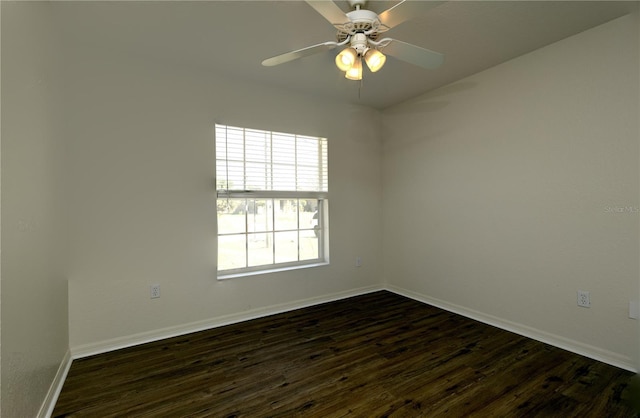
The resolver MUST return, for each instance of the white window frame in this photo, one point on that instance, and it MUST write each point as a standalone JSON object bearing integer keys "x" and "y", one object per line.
{"x": 321, "y": 228}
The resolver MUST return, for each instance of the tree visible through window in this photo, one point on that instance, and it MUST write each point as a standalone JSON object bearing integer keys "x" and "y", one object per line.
{"x": 272, "y": 199}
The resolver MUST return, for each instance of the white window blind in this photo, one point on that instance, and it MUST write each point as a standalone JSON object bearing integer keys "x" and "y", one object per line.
{"x": 251, "y": 159}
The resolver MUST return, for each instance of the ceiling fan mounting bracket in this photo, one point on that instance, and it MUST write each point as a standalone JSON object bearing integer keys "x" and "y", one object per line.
{"x": 356, "y": 4}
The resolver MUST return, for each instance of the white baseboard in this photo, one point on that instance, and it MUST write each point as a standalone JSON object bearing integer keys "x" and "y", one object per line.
{"x": 155, "y": 335}
{"x": 596, "y": 353}
{"x": 46, "y": 410}
{"x": 593, "y": 352}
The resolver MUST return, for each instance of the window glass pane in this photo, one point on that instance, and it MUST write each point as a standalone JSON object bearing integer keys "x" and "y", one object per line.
{"x": 257, "y": 146}
{"x": 235, "y": 149}
{"x": 231, "y": 216}
{"x": 286, "y": 214}
{"x": 323, "y": 161}
{"x": 284, "y": 151}
{"x": 260, "y": 249}
{"x": 256, "y": 175}
{"x": 284, "y": 161}
{"x": 232, "y": 253}
{"x": 307, "y": 162}
{"x": 221, "y": 174}
{"x": 309, "y": 245}
{"x": 235, "y": 175}
{"x": 284, "y": 177}
{"x": 310, "y": 229}
{"x": 260, "y": 215}
{"x": 286, "y": 246}
{"x": 308, "y": 213}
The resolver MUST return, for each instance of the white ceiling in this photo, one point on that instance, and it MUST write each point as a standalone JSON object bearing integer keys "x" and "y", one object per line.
{"x": 233, "y": 37}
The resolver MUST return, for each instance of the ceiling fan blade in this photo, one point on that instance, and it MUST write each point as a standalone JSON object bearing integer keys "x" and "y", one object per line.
{"x": 413, "y": 54}
{"x": 300, "y": 53}
{"x": 330, "y": 11}
{"x": 404, "y": 11}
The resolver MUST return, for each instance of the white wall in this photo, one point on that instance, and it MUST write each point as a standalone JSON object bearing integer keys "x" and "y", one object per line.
{"x": 637, "y": 18}
{"x": 34, "y": 288}
{"x": 497, "y": 192}
{"x": 141, "y": 161}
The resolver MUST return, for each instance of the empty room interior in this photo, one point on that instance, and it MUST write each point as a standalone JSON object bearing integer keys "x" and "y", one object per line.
{"x": 488, "y": 172}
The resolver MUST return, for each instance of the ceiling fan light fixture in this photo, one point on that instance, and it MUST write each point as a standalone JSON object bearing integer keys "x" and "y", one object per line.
{"x": 346, "y": 59}
{"x": 359, "y": 33}
{"x": 374, "y": 59}
{"x": 355, "y": 72}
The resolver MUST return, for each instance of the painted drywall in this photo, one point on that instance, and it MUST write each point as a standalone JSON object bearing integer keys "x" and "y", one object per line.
{"x": 141, "y": 164}
{"x": 34, "y": 288}
{"x": 510, "y": 190}
{"x": 637, "y": 305}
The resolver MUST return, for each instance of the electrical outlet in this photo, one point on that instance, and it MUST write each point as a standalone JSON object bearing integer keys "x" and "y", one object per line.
{"x": 584, "y": 299}
{"x": 358, "y": 261}
{"x": 155, "y": 291}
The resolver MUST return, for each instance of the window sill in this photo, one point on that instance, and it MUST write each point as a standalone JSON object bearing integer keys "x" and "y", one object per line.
{"x": 274, "y": 270}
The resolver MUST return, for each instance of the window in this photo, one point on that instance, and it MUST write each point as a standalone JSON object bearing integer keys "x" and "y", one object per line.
{"x": 272, "y": 200}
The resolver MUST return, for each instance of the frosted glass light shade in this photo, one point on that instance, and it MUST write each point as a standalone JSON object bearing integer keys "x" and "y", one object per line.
{"x": 355, "y": 72}
{"x": 374, "y": 59}
{"x": 346, "y": 58}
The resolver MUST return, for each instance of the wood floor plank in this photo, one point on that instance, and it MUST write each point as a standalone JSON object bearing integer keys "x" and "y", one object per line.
{"x": 378, "y": 354}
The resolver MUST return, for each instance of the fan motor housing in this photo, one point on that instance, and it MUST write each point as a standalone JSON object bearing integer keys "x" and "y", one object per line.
{"x": 360, "y": 21}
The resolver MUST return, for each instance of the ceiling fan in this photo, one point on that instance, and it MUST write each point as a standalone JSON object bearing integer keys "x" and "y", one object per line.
{"x": 359, "y": 30}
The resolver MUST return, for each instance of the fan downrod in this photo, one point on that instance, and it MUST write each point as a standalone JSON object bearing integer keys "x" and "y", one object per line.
{"x": 357, "y": 4}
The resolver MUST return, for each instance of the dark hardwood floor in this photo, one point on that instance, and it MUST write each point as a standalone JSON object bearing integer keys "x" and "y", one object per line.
{"x": 369, "y": 356}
